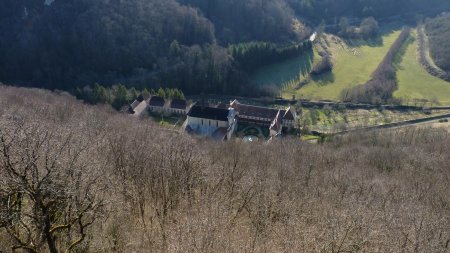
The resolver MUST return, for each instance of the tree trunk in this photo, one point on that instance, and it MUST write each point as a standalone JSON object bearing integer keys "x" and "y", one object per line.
{"x": 48, "y": 236}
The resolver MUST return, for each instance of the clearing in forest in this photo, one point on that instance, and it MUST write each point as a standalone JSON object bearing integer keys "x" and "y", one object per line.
{"x": 415, "y": 83}
{"x": 353, "y": 65}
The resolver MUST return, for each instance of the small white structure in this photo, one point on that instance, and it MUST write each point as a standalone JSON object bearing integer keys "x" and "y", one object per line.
{"x": 137, "y": 108}
{"x": 313, "y": 37}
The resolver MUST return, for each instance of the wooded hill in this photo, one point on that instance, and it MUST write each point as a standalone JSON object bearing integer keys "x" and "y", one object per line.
{"x": 159, "y": 43}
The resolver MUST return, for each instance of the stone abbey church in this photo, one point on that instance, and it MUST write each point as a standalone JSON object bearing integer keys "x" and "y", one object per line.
{"x": 221, "y": 121}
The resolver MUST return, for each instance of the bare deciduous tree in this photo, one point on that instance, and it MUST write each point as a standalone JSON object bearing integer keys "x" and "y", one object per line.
{"x": 50, "y": 186}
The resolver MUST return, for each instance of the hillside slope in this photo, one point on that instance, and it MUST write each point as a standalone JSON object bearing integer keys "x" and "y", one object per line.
{"x": 93, "y": 180}
{"x": 63, "y": 44}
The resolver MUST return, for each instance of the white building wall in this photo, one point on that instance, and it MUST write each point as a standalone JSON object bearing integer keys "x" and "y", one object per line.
{"x": 205, "y": 126}
{"x": 140, "y": 109}
{"x": 177, "y": 111}
{"x": 165, "y": 109}
{"x": 157, "y": 109}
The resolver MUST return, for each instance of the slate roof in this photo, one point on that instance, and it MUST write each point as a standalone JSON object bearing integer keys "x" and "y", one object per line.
{"x": 137, "y": 107}
{"x": 134, "y": 104}
{"x": 288, "y": 115}
{"x": 178, "y": 104}
{"x": 157, "y": 101}
{"x": 276, "y": 124}
{"x": 140, "y": 108}
{"x": 140, "y": 98}
{"x": 202, "y": 112}
{"x": 255, "y": 111}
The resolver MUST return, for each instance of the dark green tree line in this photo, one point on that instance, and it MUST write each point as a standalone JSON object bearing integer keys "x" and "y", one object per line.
{"x": 253, "y": 55}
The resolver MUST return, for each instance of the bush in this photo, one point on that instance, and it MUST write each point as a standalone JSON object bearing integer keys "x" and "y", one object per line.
{"x": 369, "y": 28}
{"x": 323, "y": 66}
{"x": 438, "y": 31}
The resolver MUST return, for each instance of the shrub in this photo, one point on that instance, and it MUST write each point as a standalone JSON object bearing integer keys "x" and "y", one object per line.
{"x": 323, "y": 66}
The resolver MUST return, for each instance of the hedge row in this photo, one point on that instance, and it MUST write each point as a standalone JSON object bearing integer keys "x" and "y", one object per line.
{"x": 380, "y": 89}
{"x": 425, "y": 61}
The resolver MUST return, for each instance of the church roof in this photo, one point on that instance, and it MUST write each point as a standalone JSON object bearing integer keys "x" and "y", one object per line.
{"x": 288, "y": 115}
{"x": 203, "y": 112}
{"x": 157, "y": 101}
{"x": 256, "y": 111}
{"x": 178, "y": 104}
{"x": 276, "y": 124}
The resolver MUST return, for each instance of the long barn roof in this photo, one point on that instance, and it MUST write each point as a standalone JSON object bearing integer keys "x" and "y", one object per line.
{"x": 198, "y": 111}
{"x": 256, "y": 111}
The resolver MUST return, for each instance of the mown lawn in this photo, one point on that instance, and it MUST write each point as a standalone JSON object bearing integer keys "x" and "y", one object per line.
{"x": 415, "y": 82}
{"x": 352, "y": 66}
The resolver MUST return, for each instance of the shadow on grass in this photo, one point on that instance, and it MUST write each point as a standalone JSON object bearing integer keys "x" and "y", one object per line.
{"x": 284, "y": 71}
{"x": 377, "y": 41}
{"x": 401, "y": 53}
{"x": 306, "y": 63}
{"x": 372, "y": 42}
{"x": 324, "y": 79}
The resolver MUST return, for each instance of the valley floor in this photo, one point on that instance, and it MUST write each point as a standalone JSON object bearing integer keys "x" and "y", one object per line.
{"x": 352, "y": 66}
{"x": 414, "y": 81}
{"x": 354, "y": 62}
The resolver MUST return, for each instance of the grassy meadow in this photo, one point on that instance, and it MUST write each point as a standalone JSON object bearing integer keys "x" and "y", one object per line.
{"x": 353, "y": 65}
{"x": 327, "y": 120}
{"x": 354, "y": 62}
{"x": 415, "y": 82}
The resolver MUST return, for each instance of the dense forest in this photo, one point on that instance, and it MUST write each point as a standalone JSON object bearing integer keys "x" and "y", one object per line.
{"x": 246, "y": 20}
{"x": 438, "y": 31}
{"x": 77, "y": 42}
{"x": 252, "y": 55}
{"x": 154, "y": 43}
{"x": 79, "y": 178}
{"x": 331, "y": 10}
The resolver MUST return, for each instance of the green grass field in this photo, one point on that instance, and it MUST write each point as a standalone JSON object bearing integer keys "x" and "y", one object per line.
{"x": 281, "y": 73}
{"x": 352, "y": 66}
{"x": 415, "y": 82}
